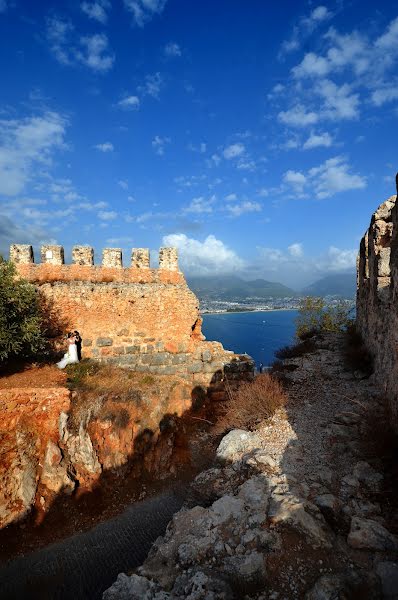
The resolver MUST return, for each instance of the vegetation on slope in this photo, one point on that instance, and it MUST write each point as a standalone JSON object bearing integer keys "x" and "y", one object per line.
{"x": 21, "y": 329}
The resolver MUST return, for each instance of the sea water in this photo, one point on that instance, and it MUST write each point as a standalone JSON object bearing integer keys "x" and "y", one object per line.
{"x": 258, "y": 334}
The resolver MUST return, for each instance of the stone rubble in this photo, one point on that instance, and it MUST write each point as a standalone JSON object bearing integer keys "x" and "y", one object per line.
{"x": 293, "y": 510}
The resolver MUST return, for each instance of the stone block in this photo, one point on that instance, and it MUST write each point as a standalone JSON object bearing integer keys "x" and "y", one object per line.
{"x": 87, "y": 342}
{"x": 195, "y": 367}
{"x": 206, "y": 356}
{"x": 132, "y": 349}
{"x": 83, "y": 255}
{"x": 112, "y": 257}
{"x": 123, "y": 332}
{"x": 21, "y": 254}
{"x": 52, "y": 255}
{"x": 140, "y": 258}
{"x": 104, "y": 341}
{"x": 118, "y": 350}
{"x": 168, "y": 259}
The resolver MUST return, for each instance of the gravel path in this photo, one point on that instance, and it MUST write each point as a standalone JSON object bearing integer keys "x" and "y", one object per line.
{"x": 83, "y": 566}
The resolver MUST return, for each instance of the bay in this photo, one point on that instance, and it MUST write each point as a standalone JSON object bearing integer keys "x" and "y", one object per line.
{"x": 258, "y": 334}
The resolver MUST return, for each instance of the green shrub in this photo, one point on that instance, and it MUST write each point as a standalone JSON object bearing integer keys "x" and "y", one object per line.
{"x": 316, "y": 317}
{"x": 21, "y": 326}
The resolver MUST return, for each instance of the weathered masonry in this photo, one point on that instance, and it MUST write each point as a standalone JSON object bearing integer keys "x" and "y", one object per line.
{"x": 377, "y": 298}
{"x": 139, "y": 317}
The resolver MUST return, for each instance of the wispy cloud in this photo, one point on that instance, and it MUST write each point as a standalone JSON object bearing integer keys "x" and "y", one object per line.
{"x": 97, "y": 10}
{"x": 247, "y": 206}
{"x": 129, "y": 103}
{"x": 159, "y": 143}
{"x": 324, "y": 140}
{"x": 152, "y": 85}
{"x": 25, "y": 144}
{"x": 172, "y": 50}
{"x": 91, "y": 51}
{"x": 143, "y": 11}
{"x": 326, "y": 180}
{"x": 233, "y": 151}
{"x": 107, "y": 215}
{"x": 105, "y": 147}
{"x": 306, "y": 26}
{"x": 200, "y": 205}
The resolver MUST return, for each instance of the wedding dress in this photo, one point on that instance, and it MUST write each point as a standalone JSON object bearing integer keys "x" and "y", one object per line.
{"x": 69, "y": 358}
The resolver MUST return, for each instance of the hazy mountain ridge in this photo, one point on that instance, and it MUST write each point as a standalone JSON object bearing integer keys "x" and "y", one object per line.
{"x": 341, "y": 284}
{"x": 231, "y": 287}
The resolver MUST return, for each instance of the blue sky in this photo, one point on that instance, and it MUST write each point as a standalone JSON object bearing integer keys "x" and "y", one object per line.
{"x": 258, "y": 137}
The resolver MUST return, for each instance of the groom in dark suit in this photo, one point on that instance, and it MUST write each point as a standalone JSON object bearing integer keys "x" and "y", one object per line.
{"x": 78, "y": 344}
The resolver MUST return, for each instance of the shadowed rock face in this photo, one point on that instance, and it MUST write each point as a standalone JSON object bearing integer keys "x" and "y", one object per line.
{"x": 377, "y": 294}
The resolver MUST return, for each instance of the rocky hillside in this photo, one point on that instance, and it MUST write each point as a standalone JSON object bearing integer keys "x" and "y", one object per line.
{"x": 302, "y": 508}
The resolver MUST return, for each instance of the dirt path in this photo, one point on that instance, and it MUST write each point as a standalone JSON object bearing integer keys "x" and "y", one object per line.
{"x": 84, "y": 565}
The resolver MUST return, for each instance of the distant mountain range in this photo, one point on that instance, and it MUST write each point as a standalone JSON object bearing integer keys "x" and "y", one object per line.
{"x": 342, "y": 284}
{"x": 232, "y": 288}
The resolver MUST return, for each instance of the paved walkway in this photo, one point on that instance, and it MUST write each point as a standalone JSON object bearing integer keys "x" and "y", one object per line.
{"x": 83, "y": 566}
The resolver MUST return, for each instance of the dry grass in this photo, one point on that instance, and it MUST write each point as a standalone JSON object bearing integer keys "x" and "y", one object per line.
{"x": 252, "y": 404}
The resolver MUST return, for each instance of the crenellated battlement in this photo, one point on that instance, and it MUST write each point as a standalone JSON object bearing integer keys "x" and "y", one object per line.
{"x": 22, "y": 254}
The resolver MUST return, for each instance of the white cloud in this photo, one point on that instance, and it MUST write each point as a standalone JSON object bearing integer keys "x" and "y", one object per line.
{"x": 172, "y": 50}
{"x": 233, "y": 151}
{"x": 317, "y": 140}
{"x": 340, "y": 260}
{"x": 333, "y": 176}
{"x": 312, "y": 65}
{"x": 305, "y": 26}
{"x": 200, "y": 205}
{"x": 58, "y": 32}
{"x": 298, "y": 116}
{"x": 383, "y": 95}
{"x": 152, "y": 86}
{"x": 144, "y": 10}
{"x": 96, "y": 10}
{"x": 209, "y": 257}
{"x": 123, "y": 184}
{"x": 26, "y": 143}
{"x": 339, "y": 102}
{"x": 129, "y": 103}
{"x": 95, "y": 54}
{"x": 90, "y": 51}
{"x": 296, "y": 250}
{"x": 389, "y": 40}
{"x": 159, "y": 143}
{"x": 296, "y": 179}
{"x": 231, "y": 197}
{"x": 293, "y": 267}
{"x": 247, "y": 206}
{"x": 107, "y": 215}
{"x": 105, "y": 147}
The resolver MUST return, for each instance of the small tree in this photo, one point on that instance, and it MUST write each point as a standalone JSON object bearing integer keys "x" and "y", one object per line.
{"x": 315, "y": 316}
{"x": 21, "y": 332}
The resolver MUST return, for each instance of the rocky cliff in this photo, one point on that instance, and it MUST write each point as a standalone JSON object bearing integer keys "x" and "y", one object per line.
{"x": 377, "y": 295}
{"x": 297, "y": 509}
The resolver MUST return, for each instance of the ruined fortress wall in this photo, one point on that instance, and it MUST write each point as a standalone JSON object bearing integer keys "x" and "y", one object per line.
{"x": 377, "y": 298}
{"x": 143, "y": 318}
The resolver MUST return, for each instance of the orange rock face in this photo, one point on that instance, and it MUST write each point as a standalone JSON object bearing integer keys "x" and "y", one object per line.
{"x": 29, "y": 422}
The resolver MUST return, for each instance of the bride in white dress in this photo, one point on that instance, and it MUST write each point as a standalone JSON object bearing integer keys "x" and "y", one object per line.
{"x": 71, "y": 356}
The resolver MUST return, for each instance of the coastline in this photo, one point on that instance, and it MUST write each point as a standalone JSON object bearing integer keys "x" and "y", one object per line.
{"x": 254, "y": 310}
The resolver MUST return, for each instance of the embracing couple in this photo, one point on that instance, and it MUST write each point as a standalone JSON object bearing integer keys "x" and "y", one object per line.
{"x": 74, "y": 353}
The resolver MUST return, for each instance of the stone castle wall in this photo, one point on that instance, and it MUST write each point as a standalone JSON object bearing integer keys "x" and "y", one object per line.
{"x": 146, "y": 319}
{"x": 377, "y": 298}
